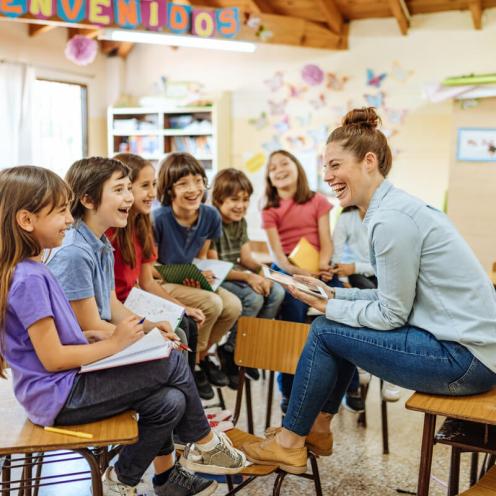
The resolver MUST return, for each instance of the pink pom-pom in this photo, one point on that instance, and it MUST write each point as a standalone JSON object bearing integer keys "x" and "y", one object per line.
{"x": 312, "y": 74}
{"x": 81, "y": 50}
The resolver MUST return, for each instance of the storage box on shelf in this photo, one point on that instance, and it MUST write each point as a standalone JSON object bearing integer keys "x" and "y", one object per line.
{"x": 153, "y": 132}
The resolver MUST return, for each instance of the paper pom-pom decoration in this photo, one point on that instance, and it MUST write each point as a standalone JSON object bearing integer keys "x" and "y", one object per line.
{"x": 81, "y": 50}
{"x": 312, "y": 74}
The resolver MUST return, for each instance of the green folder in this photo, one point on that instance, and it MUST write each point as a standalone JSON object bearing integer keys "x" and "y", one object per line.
{"x": 177, "y": 273}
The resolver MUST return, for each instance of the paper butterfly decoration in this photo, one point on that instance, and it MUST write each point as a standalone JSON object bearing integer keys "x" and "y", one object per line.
{"x": 273, "y": 144}
{"x": 283, "y": 125}
{"x": 304, "y": 120}
{"x": 399, "y": 73}
{"x": 295, "y": 92}
{"x": 376, "y": 101}
{"x": 375, "y": 79}
{"x": 276, "y": 82}
{"x": 277, "y": 108}
{"x": 253, "y": 21}
{"x": 396, "y": 116}
{"x": 296, "y": 141}
{"x": 335, "y": 82}
{"x": 264, "y": 34}
{"x": 260, "y": 122}
{"x": 319, "y": 102}
{"x": 389, "y": 133}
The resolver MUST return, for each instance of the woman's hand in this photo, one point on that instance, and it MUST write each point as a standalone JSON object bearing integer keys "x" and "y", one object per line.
{"x": 325, "y": 272}
{"x": 314, "y": 282}
{"x": 313, "y": 301}
{"x": 209, "y": 276}
{"x": 257, "y": 283}
{"x": 344, "y": 270}
{"x": 167, "y": 331}
{"x": 196, "y": 314}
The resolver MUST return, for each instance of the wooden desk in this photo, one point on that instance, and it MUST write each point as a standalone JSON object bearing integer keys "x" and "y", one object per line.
{"x": 478, "y": 408}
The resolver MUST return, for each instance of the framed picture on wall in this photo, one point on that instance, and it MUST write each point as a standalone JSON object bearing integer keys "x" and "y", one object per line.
{"x": 476, "y": 144}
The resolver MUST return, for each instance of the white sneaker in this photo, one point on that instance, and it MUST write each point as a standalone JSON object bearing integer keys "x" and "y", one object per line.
{"x": 112, "y": 487}
{"x": 390, "y": 392}
{"x": 364, "y": 376}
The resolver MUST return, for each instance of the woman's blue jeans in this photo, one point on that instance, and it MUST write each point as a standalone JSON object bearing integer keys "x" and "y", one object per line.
{"x": 408, "y": 356}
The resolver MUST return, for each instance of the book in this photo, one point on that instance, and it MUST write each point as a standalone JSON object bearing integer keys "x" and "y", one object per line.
{"x": 305, "y": 256}
{"x": 287, "y": 280}
{"x": 154, "y": 308}
{"x": 151, "y": 346}
{"x": 177, "y": 273}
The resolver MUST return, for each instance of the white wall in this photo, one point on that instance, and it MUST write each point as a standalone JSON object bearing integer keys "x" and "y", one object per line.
{"x": 437, "y": 46}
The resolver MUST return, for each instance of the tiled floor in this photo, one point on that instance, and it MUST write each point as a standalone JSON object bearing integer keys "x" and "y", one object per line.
{"x": 357, "y": 466}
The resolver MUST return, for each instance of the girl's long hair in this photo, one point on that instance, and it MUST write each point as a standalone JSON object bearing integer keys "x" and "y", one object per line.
{"x": 303, "y": 191}
{"x": 22, "y": 188}
{"x": 138, "y": 224}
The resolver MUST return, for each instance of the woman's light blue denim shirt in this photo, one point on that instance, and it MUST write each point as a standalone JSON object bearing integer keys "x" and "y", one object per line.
{"x": 427, "y": 276}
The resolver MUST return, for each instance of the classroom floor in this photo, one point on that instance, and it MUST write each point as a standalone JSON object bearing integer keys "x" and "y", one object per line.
{"x": 357, "y": 466}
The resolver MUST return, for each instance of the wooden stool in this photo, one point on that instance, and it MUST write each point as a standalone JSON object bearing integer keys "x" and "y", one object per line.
{"x": 18, "y": 436}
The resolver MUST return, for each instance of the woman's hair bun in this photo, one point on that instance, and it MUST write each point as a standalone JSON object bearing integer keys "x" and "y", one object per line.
{"x": 365, "y": 117}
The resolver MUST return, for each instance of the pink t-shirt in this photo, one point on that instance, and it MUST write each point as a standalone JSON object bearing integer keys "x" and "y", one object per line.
{"x": 294, "y": 221}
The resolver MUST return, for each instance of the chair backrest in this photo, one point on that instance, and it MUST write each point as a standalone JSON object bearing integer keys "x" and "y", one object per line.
{"x": 269, "y": 344}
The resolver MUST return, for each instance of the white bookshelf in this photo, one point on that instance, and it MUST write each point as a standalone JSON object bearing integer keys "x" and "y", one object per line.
{"x": 153, "y": 132}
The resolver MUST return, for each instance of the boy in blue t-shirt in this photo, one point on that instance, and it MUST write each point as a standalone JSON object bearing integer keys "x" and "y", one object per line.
{"x": 184, "y": 229}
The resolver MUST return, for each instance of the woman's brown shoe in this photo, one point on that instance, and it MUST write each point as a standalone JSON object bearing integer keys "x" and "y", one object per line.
{"x": 319, "y": 444}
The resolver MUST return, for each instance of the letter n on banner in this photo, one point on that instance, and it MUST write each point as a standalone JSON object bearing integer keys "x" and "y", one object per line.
{"x": 42, "y": 9}
{"x": 127, "y": 13}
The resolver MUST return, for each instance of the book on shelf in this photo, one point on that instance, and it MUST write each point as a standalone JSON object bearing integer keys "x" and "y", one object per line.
{"x": 154, "y": 308}
{"x": 305, "y": 256}
{"x": 152, "y": 346}
{"x": 177, "y": 273}
{"x": 196, "y": 145}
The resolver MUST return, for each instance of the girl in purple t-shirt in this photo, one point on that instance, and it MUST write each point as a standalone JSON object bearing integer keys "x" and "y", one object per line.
{"x": 42, "y": 342}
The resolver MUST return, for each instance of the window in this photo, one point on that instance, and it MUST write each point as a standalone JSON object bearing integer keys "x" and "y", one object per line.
{"x": 60, "y": 124}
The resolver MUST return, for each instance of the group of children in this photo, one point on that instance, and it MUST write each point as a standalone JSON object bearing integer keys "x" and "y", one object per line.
{"x": 70, "y": 253}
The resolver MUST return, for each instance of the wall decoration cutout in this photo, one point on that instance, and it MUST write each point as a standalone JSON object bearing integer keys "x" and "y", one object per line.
{"x": 277, "y": 108}
{"x": 376, "y": 101}
{"x": 399, "y": 73}
{"x": 276, "y": 82}
{"x": 335, "y": 82}
{"x": 255, "y": 163}
{"x": 374, "y": 79}
{"x": 396, "y": 116}
{"x": 318, "y": 102}
{"x": 296, "y": 92}
{"x": 260, "y": 122}
{"x": 476, "y": 145}
{"x": 273, "y": 144}
{"x": 81, "y": 50}
{"x": 312, "y": 74}
{"x": 283, "y": 125}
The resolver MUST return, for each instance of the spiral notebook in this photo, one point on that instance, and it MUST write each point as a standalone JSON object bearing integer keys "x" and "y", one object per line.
{"x": 151, "y": 346}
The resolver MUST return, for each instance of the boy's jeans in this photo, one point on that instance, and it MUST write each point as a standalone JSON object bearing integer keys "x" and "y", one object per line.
{"x": 408, "y": 356}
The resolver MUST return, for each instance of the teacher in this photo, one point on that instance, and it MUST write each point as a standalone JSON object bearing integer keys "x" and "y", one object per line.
{"x": 430, "y": 325}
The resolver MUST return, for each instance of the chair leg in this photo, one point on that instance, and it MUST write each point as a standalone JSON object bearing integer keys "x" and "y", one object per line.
{"x": 270, "y": 397}
{"x": 222, "y": 403}
{"x": 27, "y": 476}
{"x": 278, "y": 483}
{"x": 229, "y": 481}
{"x": 362, "y": 417}
{"x": 96, "y": 480}
{"x": 249, "y": 407}
{"x": 316, "y": 474}
{"x": 39, "y": 467}
{"x": 385, "y": 432}
{"x": 454, "y": 472}
{"x": 6, "y": 474}
{"x": 474, "y": 463}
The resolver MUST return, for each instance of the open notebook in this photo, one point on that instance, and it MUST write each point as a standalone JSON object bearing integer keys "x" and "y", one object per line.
{"x": 286, "y": 280}
{"x": 151, "y": 346}
{"x": 177, "y": 273}
{"x": 154, "y": 308}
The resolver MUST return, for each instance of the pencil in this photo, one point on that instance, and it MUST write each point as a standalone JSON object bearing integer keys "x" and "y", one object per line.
{"x": 68, "y": 432}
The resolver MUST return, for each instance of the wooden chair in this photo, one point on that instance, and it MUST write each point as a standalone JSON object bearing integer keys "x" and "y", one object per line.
{"x": 26, "y": 446}
{"x": 479, "y": 409}
{"x": 276, "y": 346}
{"x": 485, "y": 487}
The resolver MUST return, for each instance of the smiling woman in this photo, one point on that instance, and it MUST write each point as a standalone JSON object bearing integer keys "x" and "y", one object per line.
{"x": 427, "y": 327}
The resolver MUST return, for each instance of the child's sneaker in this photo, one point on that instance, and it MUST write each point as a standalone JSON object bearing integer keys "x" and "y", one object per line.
{"x": 223, "y": 426}
{"x": 112, "y": 487}
{"x": 182, "y": 483}
{"x": 223, "y": 458}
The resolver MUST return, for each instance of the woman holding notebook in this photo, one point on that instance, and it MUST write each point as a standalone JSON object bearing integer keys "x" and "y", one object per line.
{"x": 427, "y": 327}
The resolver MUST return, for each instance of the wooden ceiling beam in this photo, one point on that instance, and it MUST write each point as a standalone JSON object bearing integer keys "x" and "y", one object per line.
{"x": 400, "y": 11}
{"x": 475, "y": 7}
{"x": 37, "y": 29}
{"x": 332, "y": 15}
{"x": 263, "y": 6}
{"x": 89, "y": 33}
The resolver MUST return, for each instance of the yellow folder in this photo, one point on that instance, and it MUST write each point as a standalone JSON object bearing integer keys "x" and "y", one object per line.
{"x": 305, "y": 256}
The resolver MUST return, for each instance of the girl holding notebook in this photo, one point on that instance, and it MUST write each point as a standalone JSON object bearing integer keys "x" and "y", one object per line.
{"x": 41, "y": 340}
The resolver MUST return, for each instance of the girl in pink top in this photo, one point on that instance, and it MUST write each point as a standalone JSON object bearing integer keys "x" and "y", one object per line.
{"x": 293, "y": 211}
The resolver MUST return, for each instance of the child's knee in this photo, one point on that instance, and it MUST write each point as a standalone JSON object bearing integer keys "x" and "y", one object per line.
{"x": 231, "y": 306}
{"x": 252, "y": 304}
{"x": 212, "y": 305}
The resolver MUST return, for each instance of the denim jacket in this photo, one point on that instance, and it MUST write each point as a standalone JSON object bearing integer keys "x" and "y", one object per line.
{"x": 428, "y": 277}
